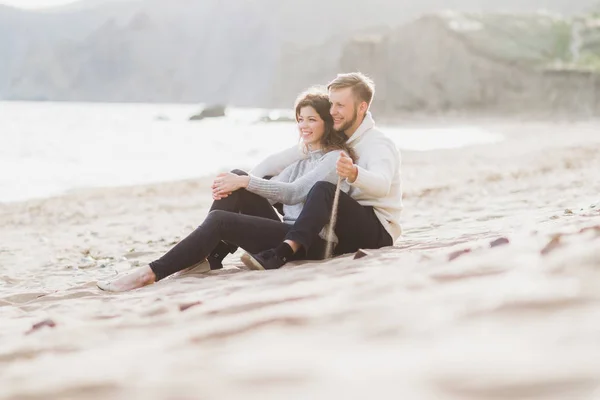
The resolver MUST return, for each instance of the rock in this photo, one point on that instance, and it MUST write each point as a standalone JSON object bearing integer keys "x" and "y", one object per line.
{"x": 454, "y": 255}
{"x": 278, "y": 116}
{"x": 185, "y": 306}
{"x": 499, "y": 242}
{"x": 213, "y": 111}
{"x": 568, "y": 212}
{"x": 361, "y": 254}
{"x": 552, "y": 245}
{"x": 595, "y": 228}
{"x": 47, "y": 322}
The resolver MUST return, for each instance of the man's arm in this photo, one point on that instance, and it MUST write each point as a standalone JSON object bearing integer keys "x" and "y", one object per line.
{"x": 381, "y": 163}
{"x": 275, "y": 163}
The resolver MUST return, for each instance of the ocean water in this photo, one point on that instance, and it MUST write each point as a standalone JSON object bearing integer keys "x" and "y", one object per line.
{"x": 50, "y": 148}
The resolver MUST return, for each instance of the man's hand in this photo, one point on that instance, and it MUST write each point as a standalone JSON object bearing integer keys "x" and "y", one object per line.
{"x": 346, "y": 168}
{"x": 226, "y": 183}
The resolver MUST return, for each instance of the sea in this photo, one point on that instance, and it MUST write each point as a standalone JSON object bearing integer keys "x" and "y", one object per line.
{"x": 50, "y": 148}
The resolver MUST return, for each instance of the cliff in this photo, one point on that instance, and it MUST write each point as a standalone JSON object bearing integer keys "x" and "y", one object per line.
{"x": 240, "y": 52}
{"x": 489, "y": 63}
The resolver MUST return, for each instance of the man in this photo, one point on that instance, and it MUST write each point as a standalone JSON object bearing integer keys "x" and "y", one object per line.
{"x": 368, "y": 216}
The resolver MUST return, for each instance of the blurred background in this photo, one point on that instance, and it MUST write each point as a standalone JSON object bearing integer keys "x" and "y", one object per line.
{"x": 62, "y": 65}
{"x": 482, "y": 54}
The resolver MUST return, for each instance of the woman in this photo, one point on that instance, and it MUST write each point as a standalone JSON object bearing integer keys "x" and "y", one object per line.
{"x": 242, "y": 214}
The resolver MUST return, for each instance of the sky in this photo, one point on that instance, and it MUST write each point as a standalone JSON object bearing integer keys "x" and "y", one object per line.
{"x": 33, "y": 4}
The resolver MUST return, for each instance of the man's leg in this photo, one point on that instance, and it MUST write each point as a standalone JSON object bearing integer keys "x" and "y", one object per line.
{"x": 252, "y": 233}
{"x": 356, "y": 227}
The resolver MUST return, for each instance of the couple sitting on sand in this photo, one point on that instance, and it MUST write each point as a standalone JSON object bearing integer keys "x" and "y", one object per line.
{"x": 337, "y": 139}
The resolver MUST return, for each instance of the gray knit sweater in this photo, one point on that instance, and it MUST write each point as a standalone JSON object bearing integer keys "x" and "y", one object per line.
{"x": 292, "y": 185}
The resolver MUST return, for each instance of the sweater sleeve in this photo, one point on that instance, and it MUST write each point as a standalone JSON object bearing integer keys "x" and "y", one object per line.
{"x": 380, "y": 163}
{"x": 276, "y": 163}
{"x": 295, "y": 192}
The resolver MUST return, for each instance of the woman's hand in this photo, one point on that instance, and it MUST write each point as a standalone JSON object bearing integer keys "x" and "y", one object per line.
{"x": 226, "y": 183}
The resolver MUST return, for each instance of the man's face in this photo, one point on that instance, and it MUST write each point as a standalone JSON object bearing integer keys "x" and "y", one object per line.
{"x": 343, "y": 108}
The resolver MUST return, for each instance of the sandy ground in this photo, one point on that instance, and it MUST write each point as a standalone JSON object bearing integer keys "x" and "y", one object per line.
{"x": 519, "y": 321}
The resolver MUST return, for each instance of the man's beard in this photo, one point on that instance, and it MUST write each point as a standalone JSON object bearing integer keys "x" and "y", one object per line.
{"x": 349, "y": 124}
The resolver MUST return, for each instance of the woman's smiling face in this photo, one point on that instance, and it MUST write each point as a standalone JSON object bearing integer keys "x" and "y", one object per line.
{"x": 311, "y": 127}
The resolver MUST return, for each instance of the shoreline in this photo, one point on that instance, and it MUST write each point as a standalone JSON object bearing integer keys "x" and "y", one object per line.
{"x": 102, "y": 157}
{"x": 492, "y": 126}
{"x": 423, "y": 116}
{"x": 97, "y": 189}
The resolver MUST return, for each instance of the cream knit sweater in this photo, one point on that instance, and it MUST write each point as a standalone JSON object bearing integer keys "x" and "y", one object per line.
{"x": 378, "y": 183}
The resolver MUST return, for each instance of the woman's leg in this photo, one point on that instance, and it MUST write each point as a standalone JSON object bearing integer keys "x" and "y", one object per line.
{"x": 252, "y": 233}
{"x": 243, "y": 202}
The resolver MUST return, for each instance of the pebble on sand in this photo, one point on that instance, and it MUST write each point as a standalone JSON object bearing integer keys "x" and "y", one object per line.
{"x": 499, "y": 242}
{"x": 361, "y": 254}
{"x": 47, "y": 322}
{"x": 455, "y": 254}
{"x": 185, "y": 306}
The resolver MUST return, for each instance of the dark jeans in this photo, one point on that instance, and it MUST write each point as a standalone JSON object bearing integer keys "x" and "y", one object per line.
{"x": 242, "y": 219}
{"x": 357, "y": 226}
{"x": 244, "y": 202}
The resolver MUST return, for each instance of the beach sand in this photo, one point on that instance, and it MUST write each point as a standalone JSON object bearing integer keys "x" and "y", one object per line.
{"x": 519, "y": 320}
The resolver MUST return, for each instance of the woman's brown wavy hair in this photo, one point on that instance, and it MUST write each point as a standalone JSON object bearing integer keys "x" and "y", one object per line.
{"x": 318, "y": 99}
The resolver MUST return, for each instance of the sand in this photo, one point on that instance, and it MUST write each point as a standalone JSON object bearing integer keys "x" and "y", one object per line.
{"x": 519, "y": 320}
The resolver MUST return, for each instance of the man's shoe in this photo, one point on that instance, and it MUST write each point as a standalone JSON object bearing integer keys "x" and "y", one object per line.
{"x": 264, "y": 260}
{"x": 223, "y": 249}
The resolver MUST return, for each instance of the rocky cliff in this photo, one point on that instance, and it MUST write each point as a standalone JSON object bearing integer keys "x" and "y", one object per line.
{"x": 483, "y": 62}
{"x": 240, "y": 52}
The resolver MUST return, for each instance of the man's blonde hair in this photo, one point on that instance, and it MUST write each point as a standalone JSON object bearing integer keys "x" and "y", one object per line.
{"x": 362, "y": 86}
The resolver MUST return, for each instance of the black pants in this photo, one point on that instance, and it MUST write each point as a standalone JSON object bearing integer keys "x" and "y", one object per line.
{"x": 356, "y": 227}
{"x": 242, "y": 219}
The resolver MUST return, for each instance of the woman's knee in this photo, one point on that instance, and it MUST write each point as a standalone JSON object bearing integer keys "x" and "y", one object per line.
{"x": 321, "y": 188}
{"x": 217, "y": 216}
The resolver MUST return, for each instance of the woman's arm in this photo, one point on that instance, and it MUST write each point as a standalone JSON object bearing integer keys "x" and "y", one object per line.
{"x": 273, "y": 165}
{"x": 226, "y": 183}
{"x": 295, "y": 192}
